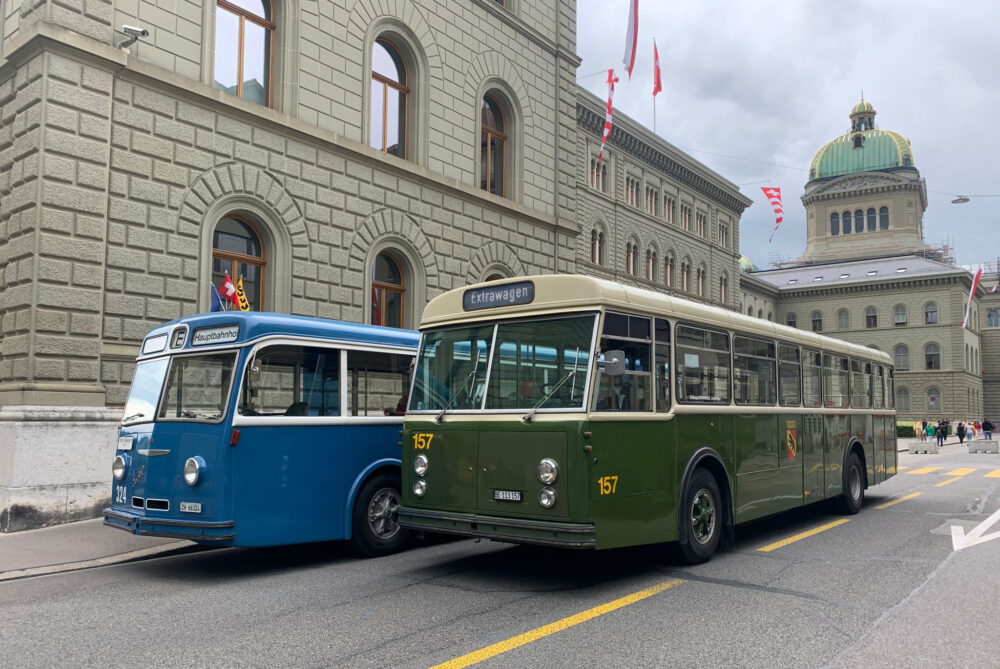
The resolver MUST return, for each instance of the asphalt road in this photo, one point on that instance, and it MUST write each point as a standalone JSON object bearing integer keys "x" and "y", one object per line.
{"x": 884, "y": 589}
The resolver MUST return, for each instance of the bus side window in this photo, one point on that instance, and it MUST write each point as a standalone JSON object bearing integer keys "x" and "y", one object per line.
{"x": 292, "y": 381}
{"x": 753, "y": 373}
{"x": 702, "y": 366}
{"x": 632, "y": 390}
{"x": 789, "y": 375}
{"x": 376, "y": 381}
{"x": 662, "y": 368}
{"x": 812, "y": 380}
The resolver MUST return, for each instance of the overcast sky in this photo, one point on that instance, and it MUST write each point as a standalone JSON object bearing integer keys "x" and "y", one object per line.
{"x": 769, "y": 82}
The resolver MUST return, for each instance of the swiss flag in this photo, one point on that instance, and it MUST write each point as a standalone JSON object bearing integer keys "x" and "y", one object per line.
{"x": 228, "y": 290}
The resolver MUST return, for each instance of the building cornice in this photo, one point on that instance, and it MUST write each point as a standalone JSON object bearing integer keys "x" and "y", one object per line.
{"x": 862, "y": 287}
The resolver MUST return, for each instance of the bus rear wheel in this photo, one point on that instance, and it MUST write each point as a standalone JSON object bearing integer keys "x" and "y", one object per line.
{"x": 853, "y": 497}
{"x": 701, "y": 514}
{"x": 376, "y": 529}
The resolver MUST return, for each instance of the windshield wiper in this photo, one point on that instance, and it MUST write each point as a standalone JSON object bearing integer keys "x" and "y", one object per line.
{"x": 135, "y": 415}
{"x": 451, "y": 402}
{"x": 545, "y": 398}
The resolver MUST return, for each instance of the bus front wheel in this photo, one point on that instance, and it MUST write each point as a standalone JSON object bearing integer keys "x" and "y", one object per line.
{"x": 854, "y": 486}
{"x": 702, "y": 517}
{"x": 376, "y": 529}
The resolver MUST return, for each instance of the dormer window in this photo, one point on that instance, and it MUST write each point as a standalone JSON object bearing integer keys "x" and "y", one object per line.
{"x": 859, "y": 141}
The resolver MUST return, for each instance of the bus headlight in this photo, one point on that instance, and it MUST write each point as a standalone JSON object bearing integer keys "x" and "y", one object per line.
{"x": 420, "y": 464}
{"x": 192, "y": 470}
{"x": 419, "y": 488}
{"x": 548, "y": 470}
{"x": 118, "y": 468}
{"x": 547, "y": 497}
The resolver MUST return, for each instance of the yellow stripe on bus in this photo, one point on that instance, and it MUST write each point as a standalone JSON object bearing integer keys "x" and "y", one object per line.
{"x": 924, "y": 470}
{"x": 802, "y": 535}
{"x": 962, "y": 471}
{"x": 897, "y": 501}
{"x": 558, "y": 626}
{"x": 995, "y": 474}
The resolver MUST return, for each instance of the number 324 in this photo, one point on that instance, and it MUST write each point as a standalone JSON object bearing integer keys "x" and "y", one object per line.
{"x": 607, "y": 484}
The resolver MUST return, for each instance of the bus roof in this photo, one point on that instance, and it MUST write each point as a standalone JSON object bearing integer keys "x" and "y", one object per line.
{"x": 555, "y": 293}
{"x": 253, "y": 325}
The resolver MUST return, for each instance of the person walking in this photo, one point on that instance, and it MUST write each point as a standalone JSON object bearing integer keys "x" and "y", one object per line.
{"x": 918, "y": 430}
{"x": 960, "y": 431}
{"x": 978, "y": 427}
{"x": 988, "y": 429}
{"x": 929, "y": 430}
{"x": 940, "y": 431}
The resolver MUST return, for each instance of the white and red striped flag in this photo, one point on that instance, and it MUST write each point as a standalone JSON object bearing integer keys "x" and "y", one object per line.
{"x": 657, "y": 86}
{"x": 773, "y": 196}
{"x": 972, "y": 294}
{"x": 607, "y": 114}
{"x": 630, "y": 36}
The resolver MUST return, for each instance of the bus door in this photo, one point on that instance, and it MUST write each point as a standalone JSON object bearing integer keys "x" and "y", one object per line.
{"x": 863, "y": 426}
{"x": 836, "y": 372}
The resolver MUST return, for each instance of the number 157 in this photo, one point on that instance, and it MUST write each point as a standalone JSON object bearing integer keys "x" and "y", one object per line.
{"x": 607, "y": 484}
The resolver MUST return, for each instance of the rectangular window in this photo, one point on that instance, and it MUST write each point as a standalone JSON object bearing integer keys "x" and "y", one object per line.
{"x": 723, "y": 235}
{"x": 293, "y": 381}
{"x": 836, "y": 393}
{"x": 377, "y": 382}
{"x": 632, "y": 191}
{"x": 662, "y": 369}
{"x": 754, "y": 379}
{"x": 700, "y": 220}
{"x": 668, "y": 209}
{"x": 702, "y": 366}
{"x": 812, "y": 379}
{"x": 451, "y": 369}
{"x": 890, "y": 394}
{"x": 878, "y": 388}
{"x": 652, "y": 200}
{"x": 861, "y": 384}
{"x": 632, "y": 390}
{"x": 789, "y": 375}
{"x": 197, "y": 387}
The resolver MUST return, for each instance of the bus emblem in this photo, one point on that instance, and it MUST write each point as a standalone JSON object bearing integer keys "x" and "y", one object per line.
{"x": 791, "y": 443}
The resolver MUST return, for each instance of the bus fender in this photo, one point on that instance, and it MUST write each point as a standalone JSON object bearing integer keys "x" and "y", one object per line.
{"x": 851, "y": 445}
{"x": 394, "y": 463}
{"x": 706, "y": 455}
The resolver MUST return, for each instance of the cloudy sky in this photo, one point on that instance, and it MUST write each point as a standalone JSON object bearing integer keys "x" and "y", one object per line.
{"x": 754, "y": 89}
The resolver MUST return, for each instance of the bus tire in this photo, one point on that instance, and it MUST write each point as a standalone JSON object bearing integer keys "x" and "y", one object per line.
{"x": 853, "y": 497}
{"x": 702, "y": 516}
{"x": 376, "y": 529}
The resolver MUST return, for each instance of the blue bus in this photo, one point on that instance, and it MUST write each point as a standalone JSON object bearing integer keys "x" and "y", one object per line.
{"x": 261, "y": 429}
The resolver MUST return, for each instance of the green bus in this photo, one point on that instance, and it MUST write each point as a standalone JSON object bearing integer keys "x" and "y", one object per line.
{"x": 571, "y": 411}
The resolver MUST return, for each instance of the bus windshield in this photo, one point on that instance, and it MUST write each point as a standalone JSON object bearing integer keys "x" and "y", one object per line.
{"x": 198, "y": 386}
{"x": 531, "y": 363}
{"x": 145, "y": 392}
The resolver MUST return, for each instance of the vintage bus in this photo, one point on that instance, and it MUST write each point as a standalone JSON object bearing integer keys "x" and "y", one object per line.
{"x": 259, "y": 429}
{"x": 572, "y": 411}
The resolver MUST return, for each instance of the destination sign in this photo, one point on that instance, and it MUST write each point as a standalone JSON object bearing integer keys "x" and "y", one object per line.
{"x": 218, "y": 335}
{"x": 506, "y": 295}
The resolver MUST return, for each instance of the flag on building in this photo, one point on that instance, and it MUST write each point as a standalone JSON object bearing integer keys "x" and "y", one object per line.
{"x": 607, "y": 113}
{"x": 376, "y": 312}
{"x": 241, "y": 298}
{"x": 657, "y": 86}
{"x": 972, "y": 294}
{"x": 630, "y": 36}
{"x": 216, "y": 301}
{"x": 229, "y": 290}
{"x": 773, "y": 196}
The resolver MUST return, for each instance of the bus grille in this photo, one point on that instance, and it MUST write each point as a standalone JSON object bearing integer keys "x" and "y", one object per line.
{"x": 138, "y": 502}
{"x": 158, "y": 504}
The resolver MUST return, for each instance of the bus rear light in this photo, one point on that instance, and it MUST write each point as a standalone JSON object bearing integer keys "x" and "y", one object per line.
{"x": 118, "y": 468}
{"x": 419, "y": 488}
{"x": 547, "y": 471}
{"x": 420, "y": 464}
{"x": 547, "y": 497}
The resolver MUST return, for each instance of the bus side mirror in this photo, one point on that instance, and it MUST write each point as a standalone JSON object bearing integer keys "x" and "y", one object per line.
{"x": 612, "y": 363}
{"x": 254, "y": 371}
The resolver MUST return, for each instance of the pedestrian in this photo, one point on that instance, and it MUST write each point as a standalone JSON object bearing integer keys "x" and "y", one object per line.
{"x": 923, "y": 432}
{"x": 970, "y": 430}
{"x": 939, "y": 431}
{"x": 918, "y": 430}
{"x": 929, "y": 430}
{"x": 960, "y": 431}
{"x": 988, "y": 429}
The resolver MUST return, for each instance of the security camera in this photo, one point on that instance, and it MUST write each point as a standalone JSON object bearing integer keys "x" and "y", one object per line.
{"x": 134, "y": 32}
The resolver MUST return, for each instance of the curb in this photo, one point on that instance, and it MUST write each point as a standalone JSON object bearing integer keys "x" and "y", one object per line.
{"x": 96, "y": 562}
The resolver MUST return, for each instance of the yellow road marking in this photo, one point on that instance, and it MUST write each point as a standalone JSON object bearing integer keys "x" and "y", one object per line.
{"x": 995, "y": 474}
{"x": 897, "y": 501}
{"x": 902, "y": 467}
{"x": 802, "y": 535}
{"x": 544, "y": 631}
{"x": 943, "y": 483}
{"x": 924, "y": 470}
{"x": 962, "y": 471}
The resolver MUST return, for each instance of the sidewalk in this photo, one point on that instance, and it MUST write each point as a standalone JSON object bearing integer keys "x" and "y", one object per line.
{"x": 86, "y": 543}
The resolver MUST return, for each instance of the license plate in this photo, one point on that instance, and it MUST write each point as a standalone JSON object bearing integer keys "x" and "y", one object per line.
{"x": 507, "y": 495}
{"x": 191, "y": 507}
{"x": 125, "y": 443}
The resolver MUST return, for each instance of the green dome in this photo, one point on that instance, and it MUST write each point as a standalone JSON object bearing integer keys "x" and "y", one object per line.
{"x": 864, "y": 149}
{"x": 746, "y": 265}
{"x": 863, "y": 107}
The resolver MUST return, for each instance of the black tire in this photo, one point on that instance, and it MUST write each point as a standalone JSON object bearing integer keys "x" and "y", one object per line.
{"x": 701, "y": 516}
{"x": 853, "y": 497}
{"x": 376, "y": 530}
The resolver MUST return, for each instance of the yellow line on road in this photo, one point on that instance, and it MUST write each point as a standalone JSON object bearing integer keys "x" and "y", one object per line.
{"x": 802, "y": 535}
{"x": 924, "y": 470}
{"x": 962, "y": 471}
{"x": 946, "y": 482}
{"x": 897, "y": 501}
{"x": 901, "y": 467}
{"x": 544, "y": 631}
{"x": 995, "y": 474}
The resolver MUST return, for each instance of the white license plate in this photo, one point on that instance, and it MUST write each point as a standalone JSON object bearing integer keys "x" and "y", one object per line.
{"x": 125, "y": 443}
{"x": 191, "y": 507}
{"x": 507, "y": 495}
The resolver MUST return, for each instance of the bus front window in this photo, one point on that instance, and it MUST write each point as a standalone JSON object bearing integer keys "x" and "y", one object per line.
{"x": 198, "y": 386}
{"x": 142, "y": 397}
{"x": 451, "y": 369}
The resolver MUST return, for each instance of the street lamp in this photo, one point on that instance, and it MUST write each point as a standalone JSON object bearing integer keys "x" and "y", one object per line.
{"x": 961, "y": 199}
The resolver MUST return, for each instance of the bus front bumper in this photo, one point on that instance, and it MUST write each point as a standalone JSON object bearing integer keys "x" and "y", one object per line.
{"x": 514, "y": 530}
{"x": 192, "y": 530}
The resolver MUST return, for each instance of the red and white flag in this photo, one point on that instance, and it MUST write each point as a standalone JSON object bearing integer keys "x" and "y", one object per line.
{"x": 630, "y": 36}
{"x": 607, "y": 113}
{"x": 972, "y": 294}
{"x": 773, "y": 196}
{"x": 228, "y": 290}
{"x": 657, "y": 86}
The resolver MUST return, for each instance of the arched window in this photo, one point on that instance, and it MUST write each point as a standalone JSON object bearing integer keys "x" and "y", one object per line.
{"x": 685, "y": 276}
{"x": 238, "y": 251}
{"x": 846, "y": 222}
{"x": 668, "y": 270}
{"x": 835, "y": 223}
{"x": 493, "y": 147}
{"x": 932, "y": 356}
{"x": 993, "y": 319}
{"x": 723, "y": 289}
{"x": 597, "y": 246}
{"x": 817, "y": 321}
{"x": 934, "y": 402}
{"x": 902, "y": 399}
{"x": 871, "y": 219}
{"x": 768, "y": 316}
{"x": 390, "y": 100}
{"x": 790, "y": 319}
{"x": 750, "y": 310}
{"x": 930, "y": 313}
{"x": 701, "y": 277}
{"x": 859, "y": 221}
{"x": 883, "y": 218}
{"x": 388, "y": 291}
{"x": 901, "y": 357}
{"x": 968, "y": 359}
{"x": 650, "y": 264}
{"x": 631, "y": 256}
{"x": 244, "y": 49}
{"x": 843, "y": 319}
{"x": 871, "y": 317}
{"x": 899, "y": 315}
{"x": 760, "y": 314}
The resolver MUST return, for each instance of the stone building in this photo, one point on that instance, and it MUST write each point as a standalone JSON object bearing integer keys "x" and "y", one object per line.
{"x": 326, "y": 151}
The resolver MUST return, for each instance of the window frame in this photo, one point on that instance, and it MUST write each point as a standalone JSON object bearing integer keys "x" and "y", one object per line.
{"x": 236, "y": 259}
{"x": 405, "y": 90}
{"x": 268, "y": 25}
